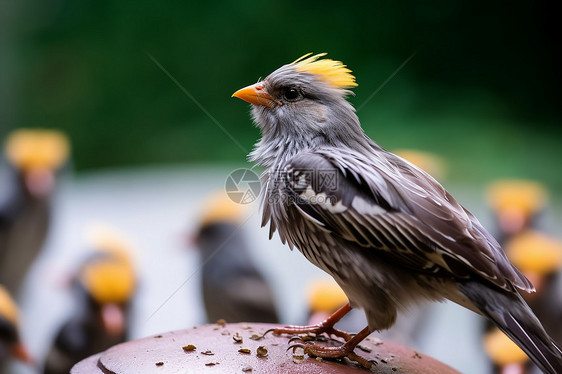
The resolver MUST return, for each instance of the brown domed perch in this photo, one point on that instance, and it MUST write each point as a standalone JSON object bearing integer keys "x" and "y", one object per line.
{"x": 241, "y": 348}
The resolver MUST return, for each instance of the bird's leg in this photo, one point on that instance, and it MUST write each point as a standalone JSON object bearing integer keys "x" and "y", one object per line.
{"x": 344, "y": 350}
{"x": 326, "y": 326}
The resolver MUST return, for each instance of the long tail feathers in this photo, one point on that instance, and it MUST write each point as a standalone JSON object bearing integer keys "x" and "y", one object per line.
{"x": 514, "y": 317}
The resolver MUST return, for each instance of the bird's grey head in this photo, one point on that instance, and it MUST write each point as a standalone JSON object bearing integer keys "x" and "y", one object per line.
{"x": 303, "y": 104}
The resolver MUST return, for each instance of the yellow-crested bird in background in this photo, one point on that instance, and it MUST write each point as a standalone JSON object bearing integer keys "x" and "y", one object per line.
{"x": 32, "y": 165}
{"x": 103, "y": 289}
{"x": 233, "y": 287}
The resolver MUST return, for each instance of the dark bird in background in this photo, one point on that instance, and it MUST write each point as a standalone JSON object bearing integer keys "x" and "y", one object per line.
{"x": 517, "y": 206}
{"x": 388, "y": 233}
{"x": 103, "y": 290}
{"x": 34, "y": 160}
{"x": 10, "y": 343}
{"x": 233, "y": 288}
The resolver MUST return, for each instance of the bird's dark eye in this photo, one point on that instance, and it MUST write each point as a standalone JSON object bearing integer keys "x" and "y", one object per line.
{"x": 291, "y": 94}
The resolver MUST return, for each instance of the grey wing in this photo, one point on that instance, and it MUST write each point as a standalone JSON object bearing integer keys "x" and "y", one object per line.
{"x": 384, "y": 203}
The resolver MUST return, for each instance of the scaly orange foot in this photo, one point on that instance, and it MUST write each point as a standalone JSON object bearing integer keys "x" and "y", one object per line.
{"x": 345, "y": 350}
{"x": 327, "y": 326}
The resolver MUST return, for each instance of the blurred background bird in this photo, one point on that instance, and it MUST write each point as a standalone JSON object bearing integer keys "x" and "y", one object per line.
{"x": 233, "y": 287}
{"x": 10, "y": 344}
{"x": 519, "y": 213}
{"x": 517, "y": 205}
{"x": 539, "y": 257}
{"x": 506, "y": 357}
{"x": 33, "y": 163}
{"x": 103, "y": 288}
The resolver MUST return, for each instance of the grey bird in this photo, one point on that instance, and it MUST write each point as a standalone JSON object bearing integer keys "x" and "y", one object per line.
{"x": 386, "y": 231}
{"x": 104, "y": 288}
{"x": 35, "y": 161}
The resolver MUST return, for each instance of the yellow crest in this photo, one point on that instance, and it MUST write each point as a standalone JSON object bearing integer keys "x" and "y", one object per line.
{"x": 30, "y": 149}
{"x": 8, "y": 308}
{"x": 110, "y": 279}
{"x": 523, "y": 196}
{"x": 218, "y": 207}
{"x": 334, "y": 73}
{"x": 532, "y": 251}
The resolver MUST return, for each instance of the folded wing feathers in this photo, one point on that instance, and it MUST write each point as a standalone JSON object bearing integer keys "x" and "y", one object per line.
{"x": 421, "y": 220}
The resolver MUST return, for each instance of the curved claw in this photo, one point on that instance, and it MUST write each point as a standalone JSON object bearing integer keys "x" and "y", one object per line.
{"x": 268, "y": 331}
{"x": 295, "y": 346}
{"x": 295, "y": 338}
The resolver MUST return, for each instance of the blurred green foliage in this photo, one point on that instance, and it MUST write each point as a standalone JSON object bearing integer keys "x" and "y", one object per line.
{"x": 481, "y": 89}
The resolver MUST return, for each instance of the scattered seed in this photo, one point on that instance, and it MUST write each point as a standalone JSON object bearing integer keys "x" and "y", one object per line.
{"x": 160, "y": 363}
{"x": 261, "y": 351}
{"x": 256, "y": 337}
{"x": 237, "y": 338}
{"x": 247, "y": 369}
{"x": 244, "y": 350}
{"x": 394, "y": 368}
{"x": 245, "y": 327}
{"x": 189, "y": 347}
{"x": 158, "y": 336}
{"x": 377, "y": 341}
{"x": 210, "y": 364}
{"x": 208, "y": 353}
{"x": 318, "y": 358}
{"x": 363, "y": 348}
{"x": 221, "y": 322}
{"x": 416, "y": 355}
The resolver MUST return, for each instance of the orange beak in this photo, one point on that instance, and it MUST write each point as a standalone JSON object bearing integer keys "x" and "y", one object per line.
{"x": 256, "y": 94}
{"x": 19, "y": 352}
{"x": 512, "y": 221}
{"x": 40, "y": 182}
{"x": 113, "y": 319}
